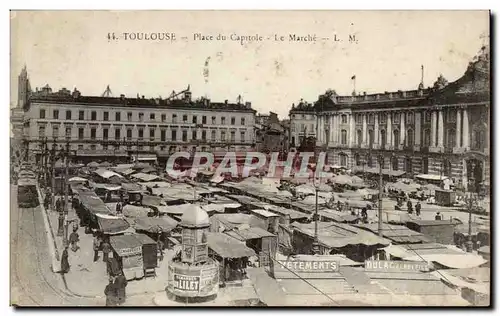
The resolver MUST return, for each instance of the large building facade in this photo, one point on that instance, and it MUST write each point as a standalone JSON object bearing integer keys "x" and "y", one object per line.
{"x": 106, "y": 127}
{"x": 442, "y": 130}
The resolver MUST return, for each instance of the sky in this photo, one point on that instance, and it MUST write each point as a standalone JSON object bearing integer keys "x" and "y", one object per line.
{"x": 71, "y": 49}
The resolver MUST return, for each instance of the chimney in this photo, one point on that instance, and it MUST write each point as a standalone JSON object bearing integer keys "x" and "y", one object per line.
{"x": 143, "y": 97}
{"x": 225, "y": 101}
{"x": 122, "y": 97}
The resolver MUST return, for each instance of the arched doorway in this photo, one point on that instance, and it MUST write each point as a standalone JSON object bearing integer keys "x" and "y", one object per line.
{"x": 474, "y": 173}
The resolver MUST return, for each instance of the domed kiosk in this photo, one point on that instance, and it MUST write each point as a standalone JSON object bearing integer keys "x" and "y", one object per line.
{"x": 194, "y": 276}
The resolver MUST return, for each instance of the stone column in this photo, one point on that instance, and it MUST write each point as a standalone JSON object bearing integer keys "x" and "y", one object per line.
{"x": 352, "y": 135}
{"x": 376, "y": 133}
{"x": 332, "y": 129}
{"x": 418, "y": 130}
{"x": 388, "y": 133}
{"x": 458, "y": 130}
{"x": 440, "y": 130}
{"x": 433, "y": 129}
{"x": 402, "y": 130}
{"x": 365, "y": 131}
{"x": 465, "y": 138}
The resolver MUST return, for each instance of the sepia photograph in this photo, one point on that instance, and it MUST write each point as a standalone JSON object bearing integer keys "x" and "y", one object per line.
{"x": 250, "y": 158}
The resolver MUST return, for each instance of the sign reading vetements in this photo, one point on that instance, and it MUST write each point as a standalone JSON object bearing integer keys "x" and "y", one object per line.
{"x": 309, "y": 266}
{"x": 396, "y": 266}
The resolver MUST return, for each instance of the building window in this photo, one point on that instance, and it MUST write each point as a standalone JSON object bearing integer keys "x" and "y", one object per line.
{"x": 184, "y": 118}
{"x": 408, "y": 165}
{"x": 68, "y": 132}
{"x": 303, "y": 128}
{"x": 396, "y": 138}
{"x": 80, "y": 133}
{"x": 80, "y": 147}
{"x": 141, "y": 133}
{"x": 382, "y": 163}
{"x": 163, "y": 117}
{"x": 55, "y": 114}
{"x": 151, "y": 116}
{"x": 92, "y": 133}
{"x": 195, "y": 119}
{"x": 117, "y": 134}
{"x": 396, "y": 117}
{"x": 140, "y": 147}
{"x": 184, "y": 136}
{"x": 92, "y": 147}
{"x": 359, "y": 135}
{"x": 118, "y": 116}
{"x": 427, "y": 117}
{"x": 223, "y": 120}
{"x": 193, "y": 134}
{"x": 371, "y": 138}
{"x": 174, "y": 135}
{"x": 105, "y": 116}
{"x": 93, "y": 116}
{"x": 357, "y": 159}
{"x": 223, "y": 136}
{"x": 213, "y": 135}
{"x": 446, "y": 168}
{"x": 163, "y": 147}
{"x": 141, "y": 117}
{"x": 163, "y": 135}
{"x": 55, "y": 131}
{"x": 174, "y": 118}
{"x": 233, "y": 120}
{"x": 242, "y": 121}
{"x": 369, "y": 162}
{"x": 451, "y": 116}
{"x": 343, "y": 160}
{"x": 371, "y": 119}
{"x": 242, "y": 136}
{"x": 129, "y": 116}
{"x": 427, "y": 137}
{"x": 203, "y": 119}
{"x": 292, "y": 127}
{"x": 233, "y": 136}
{"x": 425, "y": 165}
{"x": 383, "y": 118}
{"x": 129, "y": 147}
{"x": 451, "y": 137}
{"x": 129, "y": 134}
{"x": 383, "y": 139}
{"x": 409, "y": 118}
{"x": 42, "y": 113}
{"x": 343, "y": 137}
{"x": 411, "y": 138}
{"x": 105, "y": 146}
{"x": 68, "y": 114}
{"x": 395, "y": 163}
{"x": 343, "y": 119}
{"x": 105, "y": 134}
{"x": 81, "y": 115}
{"x": 151, "y": 133}
{"x": 214, "y": 120}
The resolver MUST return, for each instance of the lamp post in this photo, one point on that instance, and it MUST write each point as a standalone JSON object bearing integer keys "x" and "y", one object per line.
{"x": 66, "y": 193}
{"x": 380, "y": 194}
{"x": 471, "y": 203}
{"x": 315, "y": 246}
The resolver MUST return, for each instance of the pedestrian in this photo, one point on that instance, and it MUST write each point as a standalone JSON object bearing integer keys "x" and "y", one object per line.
{"x": 418, "y": 207}
{"x": 74, "y": 238}
{"x": 121, "y": 284}
{"x": 118, "y": 208}
{"x": 438, "y": 216}
{"x": 106, "y": 249}
{"x": 64, "y": 260}
{"x": 410, "y": 206}
{"x": 58, "y": 205}
{"x": 160, "y": 247}
{"x": 96, "y": 246}
{"x": 111, "y": 294}
{"x": 364, "y": 214}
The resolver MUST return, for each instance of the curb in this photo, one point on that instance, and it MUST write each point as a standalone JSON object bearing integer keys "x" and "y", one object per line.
{"x": 50, "y": 234}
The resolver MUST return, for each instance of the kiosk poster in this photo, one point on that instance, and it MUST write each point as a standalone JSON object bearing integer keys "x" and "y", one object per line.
{"x": 186, "y": 283}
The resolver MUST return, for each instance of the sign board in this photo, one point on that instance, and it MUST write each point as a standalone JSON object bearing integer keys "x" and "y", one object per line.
{"x": 396, "y": 266}
{"x": 308, "y": 266}
{"x": 186, "y": 283}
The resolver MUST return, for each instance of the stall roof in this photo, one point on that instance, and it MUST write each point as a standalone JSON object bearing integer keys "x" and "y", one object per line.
{"x": 104, "y": 173}
{"x": 144, "y": 239}
{"x": 124, "y": 242}
{"x": 286, "y": 211}
{"x": 93, "y": 203}
{"x": 154, "y": 224}
{"x": 227, "y": 246}
{"x": 151, "y": 200}
{"x": 264, "y": 213}
{"x": 231, "y": 221}
{"x": 156, "y": 184}
{"x": 135, "y": 211}
{"x": 132, "y": 187}
{"x": 105, "y": 186}
{"x": 111, "y": 224}
{"x": 435, "y": 222}
{"x": 396, "y": 233}
{"x": 176, "y": 209}
{"x": 337, "y": 216}
{"x": 249, "y": 233}
{"x": 432, "y": 177}
{"x": 145, "y": 177}
{"x": 337, "y": 235}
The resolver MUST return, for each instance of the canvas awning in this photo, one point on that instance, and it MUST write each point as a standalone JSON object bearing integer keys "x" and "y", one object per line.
{"x": 431, "y": 177}
{"x": 227, "y": 246}
{"x": 155, "y": 224}
{"x": 112, "y": 225}
{"x": 135, "y": 211}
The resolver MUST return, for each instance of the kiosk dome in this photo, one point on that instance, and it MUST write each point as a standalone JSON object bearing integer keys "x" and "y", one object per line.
{"x": 195, "y": 217}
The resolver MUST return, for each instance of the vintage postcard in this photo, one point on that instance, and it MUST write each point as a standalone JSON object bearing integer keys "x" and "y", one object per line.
{"x": 250, "y": 158}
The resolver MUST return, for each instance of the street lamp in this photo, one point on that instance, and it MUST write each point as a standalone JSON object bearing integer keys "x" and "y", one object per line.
{"x": 471, "y": 202}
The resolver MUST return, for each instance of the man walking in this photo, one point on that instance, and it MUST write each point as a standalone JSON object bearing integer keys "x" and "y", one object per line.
{"x": 97, "y": 244}
{"x": 64, "y": 260}
{"x": 121, "y": 284}
{"x": 74, "y": 238}
{"x": 418, "y": 207}
{"x": 106, "y": 249}
{"x": 111, "y": 294}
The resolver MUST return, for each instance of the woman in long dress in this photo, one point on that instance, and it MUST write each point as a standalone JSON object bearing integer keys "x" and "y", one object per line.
{"x": 64, "y": 260}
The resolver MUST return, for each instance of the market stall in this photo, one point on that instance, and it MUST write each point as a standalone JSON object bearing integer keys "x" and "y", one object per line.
{"x": 127, "y": 249}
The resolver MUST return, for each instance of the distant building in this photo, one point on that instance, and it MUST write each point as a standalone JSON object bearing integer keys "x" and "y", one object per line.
{"x": 271, "y": 135}
{"x": 106, "y": 126}
{"x": 442, "y": 130}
